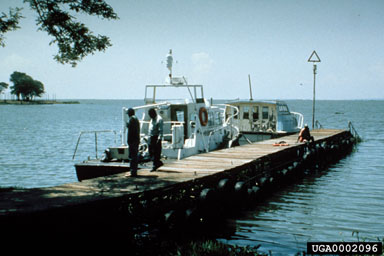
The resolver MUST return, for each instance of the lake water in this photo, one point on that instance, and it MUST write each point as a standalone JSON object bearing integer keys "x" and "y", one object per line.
{"x": 37, "y": 143}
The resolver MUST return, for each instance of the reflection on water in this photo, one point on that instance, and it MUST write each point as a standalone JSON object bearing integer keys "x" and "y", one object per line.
{"x": 326, "y": 207}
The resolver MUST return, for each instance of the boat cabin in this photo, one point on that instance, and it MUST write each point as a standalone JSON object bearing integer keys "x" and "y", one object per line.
{"x": 184, "y": 112}
{"x": 190, "y": 126}
{"x": 265, "y": 117}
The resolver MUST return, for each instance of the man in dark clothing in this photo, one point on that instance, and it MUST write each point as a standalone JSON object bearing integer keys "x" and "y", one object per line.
{"x": 133, "y": 125}
{"x": 305, "y": 135}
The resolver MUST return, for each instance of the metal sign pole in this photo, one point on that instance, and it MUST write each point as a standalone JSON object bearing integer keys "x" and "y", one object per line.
{"x": 314, "y": 96}
{"x": 314, "y": 58}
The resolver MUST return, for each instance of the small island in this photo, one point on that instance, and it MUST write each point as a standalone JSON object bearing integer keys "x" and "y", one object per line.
{"x": 26, "y": 89}
{"x": 37, "y": 102}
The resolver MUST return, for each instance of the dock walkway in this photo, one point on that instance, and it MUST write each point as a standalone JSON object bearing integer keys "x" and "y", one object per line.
{"x": 101, "y": 191}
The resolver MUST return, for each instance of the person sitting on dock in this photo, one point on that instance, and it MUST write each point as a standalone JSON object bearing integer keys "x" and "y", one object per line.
{"x": 133, "y": 125}
{"x": 155, "y": 138}
{"x": 305, "y": 135}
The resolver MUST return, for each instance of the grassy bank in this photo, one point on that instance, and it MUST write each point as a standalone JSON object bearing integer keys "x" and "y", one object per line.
{"x": 207, "y": 247}
{"x": 192, "y": 248}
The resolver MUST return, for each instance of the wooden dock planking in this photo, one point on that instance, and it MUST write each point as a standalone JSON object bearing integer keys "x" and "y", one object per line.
{"x": 221, "y": 160}
{"x": 182, "y": 169}
{"x": 207, "y": 162}
{"x": 236, "y": 155}
{"x": 212, "y": 159}
{"x": 19, "y": 201}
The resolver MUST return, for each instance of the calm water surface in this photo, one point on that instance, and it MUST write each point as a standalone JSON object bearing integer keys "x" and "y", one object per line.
{"x": 332, "y": 204}
{"x": 37, "y": 144}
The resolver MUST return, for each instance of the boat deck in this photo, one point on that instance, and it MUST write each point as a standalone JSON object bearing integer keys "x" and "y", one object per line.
{"x": 18, "y": 201}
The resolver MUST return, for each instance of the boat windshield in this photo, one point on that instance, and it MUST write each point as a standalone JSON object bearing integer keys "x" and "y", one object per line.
{"x": 283, "y": 108}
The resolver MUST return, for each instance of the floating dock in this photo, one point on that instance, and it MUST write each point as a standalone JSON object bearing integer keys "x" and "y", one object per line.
{"x": 185, "y": 190}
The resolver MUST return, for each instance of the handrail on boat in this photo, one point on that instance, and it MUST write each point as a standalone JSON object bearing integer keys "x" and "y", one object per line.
{"x": 227, "y": 121}
{"x": 300, "y": 119}
{"x": 148, "y": 106}
{"x": 237, "y": 113}
{"x": 231, "y": 118}
{"x": 142, "y": 123}
{"x": 95, "y": 132}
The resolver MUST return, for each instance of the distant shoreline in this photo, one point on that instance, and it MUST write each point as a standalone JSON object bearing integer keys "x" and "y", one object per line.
{"x": 36, "y": 102}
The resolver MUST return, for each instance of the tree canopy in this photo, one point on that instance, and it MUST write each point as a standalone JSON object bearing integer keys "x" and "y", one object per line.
{"x": 25, "y": 86}
{"x": 3, "y": 86}
{"x": 9, "y": 22}
{"x": 73, "y": 38}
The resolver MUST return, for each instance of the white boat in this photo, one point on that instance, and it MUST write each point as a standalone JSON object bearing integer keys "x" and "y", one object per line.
{"x": 191, "y": 126}
{"x": 262, "y": 120}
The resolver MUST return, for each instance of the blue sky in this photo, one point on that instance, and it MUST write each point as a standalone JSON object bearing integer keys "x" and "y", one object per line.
{"x": 217, "y": 44}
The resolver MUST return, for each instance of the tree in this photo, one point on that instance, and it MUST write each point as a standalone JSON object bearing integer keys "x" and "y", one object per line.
{"x": 9, "y": 23}
{"x": 73, "y": 38}
{"x": 3, "y": 86}
{"x": 25, "y": 86}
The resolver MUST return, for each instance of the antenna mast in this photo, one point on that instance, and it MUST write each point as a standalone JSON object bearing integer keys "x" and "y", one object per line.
{"x": 169, "y": 64}
{"x": 250, "y": 86}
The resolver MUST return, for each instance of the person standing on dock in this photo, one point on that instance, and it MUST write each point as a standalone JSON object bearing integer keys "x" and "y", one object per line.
{"x": 155, "y": 138}
{"x": 133, "y": 126}
{"x": 305, "y": 135}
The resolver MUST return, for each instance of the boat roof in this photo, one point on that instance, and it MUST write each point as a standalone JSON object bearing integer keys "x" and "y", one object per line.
{"x": 274, "y": 102}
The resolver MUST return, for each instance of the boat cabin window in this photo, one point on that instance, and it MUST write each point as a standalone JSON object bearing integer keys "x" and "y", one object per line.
{"x": 180, "y": 115}
{"x": 200, "y": 100}
{"x": 255, "y": 112}
{"x": 210, "y": 118}
{"x": 245, "y": 112}
{"x": 218, "y": 120}
{"x": 265, "y": 112}
{"x": 234, "y": 112}
{"x": 283, "y": 108}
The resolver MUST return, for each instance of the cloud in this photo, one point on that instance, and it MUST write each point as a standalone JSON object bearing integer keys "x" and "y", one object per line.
{"x": 202, "y": 63}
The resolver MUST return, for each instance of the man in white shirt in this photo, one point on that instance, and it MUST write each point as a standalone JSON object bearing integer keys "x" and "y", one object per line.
{"x": 155, "y": 138}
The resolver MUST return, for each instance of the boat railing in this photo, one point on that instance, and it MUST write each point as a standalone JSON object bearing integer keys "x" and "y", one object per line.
{"x": 149, "y": 106}
{"x": 142, "y": 123}
{"x": 95, "y": 132}
{"x": 181, "y": 83}
{"x": 237, "y": 131}
{"x": 232, "y": 116}
{"x": 300, "y": 119}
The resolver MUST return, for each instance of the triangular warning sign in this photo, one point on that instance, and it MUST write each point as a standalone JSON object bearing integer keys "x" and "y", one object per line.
{"x": 314, "y": 57}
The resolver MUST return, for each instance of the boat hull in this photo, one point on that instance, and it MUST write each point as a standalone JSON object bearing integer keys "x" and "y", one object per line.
{"x": 90, "y": 170}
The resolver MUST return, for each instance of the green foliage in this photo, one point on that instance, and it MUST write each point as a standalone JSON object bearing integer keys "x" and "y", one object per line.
{"x": 3, "y": 86}
{"x": 25, "y": 86}
{"x": 215, "y": 248}
{"x": 9, "y": 22}
{"x": 56, "y": 17}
